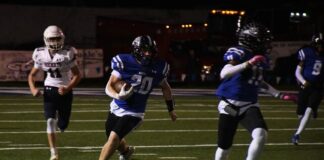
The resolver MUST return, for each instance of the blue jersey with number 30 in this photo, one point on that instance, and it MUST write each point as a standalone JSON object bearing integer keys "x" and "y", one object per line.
{"x": 313, "y": 70}
{"x": 142, "y": 78}
{"x": 242, "y": 86}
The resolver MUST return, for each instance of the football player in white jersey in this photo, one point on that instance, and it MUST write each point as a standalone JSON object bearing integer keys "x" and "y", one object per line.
{"x": 143, "y": 71}
{"x": 58, "y": 61}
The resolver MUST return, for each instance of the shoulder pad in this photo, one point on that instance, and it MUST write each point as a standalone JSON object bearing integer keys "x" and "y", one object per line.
{"x": 117, "y": 62}
{"x": 40, "y": 49}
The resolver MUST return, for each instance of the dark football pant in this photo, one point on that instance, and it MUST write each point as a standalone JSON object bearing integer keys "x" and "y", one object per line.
{"x": 309, "y": 97}
{"x": 227, "y": 125}
{"x": 121, "y": 125}
{"x": 57, "y": 105}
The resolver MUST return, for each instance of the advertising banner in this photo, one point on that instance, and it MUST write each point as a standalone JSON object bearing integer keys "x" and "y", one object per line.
{"x": 15, "y": 65}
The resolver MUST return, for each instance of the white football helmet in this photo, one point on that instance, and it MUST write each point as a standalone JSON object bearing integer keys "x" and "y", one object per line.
{"x": 54, "y": 37}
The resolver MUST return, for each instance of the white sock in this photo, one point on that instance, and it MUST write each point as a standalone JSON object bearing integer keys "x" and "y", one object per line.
{"x": 53, "y": 151}
{"x": 304, "y": 120}
{"x": 259, "y": 137}
{"x": 221, "y": 154}
{"x": 51, "y": 125}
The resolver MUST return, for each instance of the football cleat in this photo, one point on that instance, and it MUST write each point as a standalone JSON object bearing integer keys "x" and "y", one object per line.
{"x": 295, "y": 139}
{"x": 54, "y": 157}
{"x": 127, "y": 155}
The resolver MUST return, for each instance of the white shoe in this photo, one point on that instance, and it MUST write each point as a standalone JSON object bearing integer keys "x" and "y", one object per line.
{"x": 54, "y": 157}
{"x": 127, "y": 155}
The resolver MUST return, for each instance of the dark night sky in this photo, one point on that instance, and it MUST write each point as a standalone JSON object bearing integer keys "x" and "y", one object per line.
{"x": 176, "y": 4}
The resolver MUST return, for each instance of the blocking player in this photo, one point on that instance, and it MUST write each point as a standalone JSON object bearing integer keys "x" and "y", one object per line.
{"x": 143, "y": 71}
{"x": 310, "y": 75}
{"x": 242, "y": 78}
{"x": 57, "y": 60}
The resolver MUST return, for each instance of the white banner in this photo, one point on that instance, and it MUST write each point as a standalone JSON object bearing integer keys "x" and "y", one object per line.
{"x": 15, "y": 65}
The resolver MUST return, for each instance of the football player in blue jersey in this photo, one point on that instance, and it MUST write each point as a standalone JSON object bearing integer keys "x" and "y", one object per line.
{"x": 242, "y": 79}
{"x": 310, "y": 75}
{"x": 62, "y": 75}
{"x": 140, "y": 72}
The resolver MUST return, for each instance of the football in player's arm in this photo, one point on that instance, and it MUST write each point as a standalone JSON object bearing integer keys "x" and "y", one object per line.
{"x": 310, "y": 76}
{"x": 57, "y": 60}
{"x": 133, "y": 77}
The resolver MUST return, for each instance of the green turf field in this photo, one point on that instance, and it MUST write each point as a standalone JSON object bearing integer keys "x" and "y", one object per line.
{"x": 193, "y": 136}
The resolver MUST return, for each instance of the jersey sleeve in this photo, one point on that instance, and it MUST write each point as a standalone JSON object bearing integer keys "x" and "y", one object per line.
{"x": 301, "y": 54}
{"x": 233, "y": 54}
{"x": 72, "y": 56}
{"x": 37, "y": 59}
{"x": 117, "y": 63}
{"x": 165, "y": 70}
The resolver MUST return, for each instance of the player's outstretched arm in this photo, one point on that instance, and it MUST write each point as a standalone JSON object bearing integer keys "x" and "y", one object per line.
{"x": 267, "y": 88}
{"x": 31, "y": 82}
{"x": 167, "y": 94}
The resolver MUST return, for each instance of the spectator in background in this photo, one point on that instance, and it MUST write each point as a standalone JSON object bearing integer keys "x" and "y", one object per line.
{"x": 57, "y": 61}
{"x": 242, "y": 78}
{"x": 310, "y": 75}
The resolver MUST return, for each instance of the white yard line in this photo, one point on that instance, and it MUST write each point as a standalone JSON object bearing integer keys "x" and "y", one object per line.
{"x": 158, "y": 131}
{"x": 177, "y": 157}
{"x": 155, "y": 146}
{"x": 22, "y": 104}
{"x": 146, "y": 120}
{"x": 149, "y": 110}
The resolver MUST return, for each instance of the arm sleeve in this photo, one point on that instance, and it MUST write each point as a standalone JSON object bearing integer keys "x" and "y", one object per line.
{"x": 267, "y": 88}
{"x": 298, "y": 74}
{"x": 229, "y": 70}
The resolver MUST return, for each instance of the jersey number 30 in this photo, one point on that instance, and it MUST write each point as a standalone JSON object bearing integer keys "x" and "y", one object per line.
{"x": 144, "y": 82}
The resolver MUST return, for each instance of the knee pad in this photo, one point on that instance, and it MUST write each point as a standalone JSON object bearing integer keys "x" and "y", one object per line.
{"x": 260, "y": 134}
{"x": 51, "y": 125}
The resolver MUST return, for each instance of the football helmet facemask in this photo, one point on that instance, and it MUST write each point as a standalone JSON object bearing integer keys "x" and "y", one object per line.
{"x": 255, "y": 37}
{"x": 54, "y": 37}
{"x": 144, "y": 49}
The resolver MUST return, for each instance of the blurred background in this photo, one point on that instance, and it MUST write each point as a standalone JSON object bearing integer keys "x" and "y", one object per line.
{"x": 191, "y": 35}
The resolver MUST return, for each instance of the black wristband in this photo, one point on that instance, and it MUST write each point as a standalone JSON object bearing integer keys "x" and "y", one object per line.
{"x": 170, "y": 105}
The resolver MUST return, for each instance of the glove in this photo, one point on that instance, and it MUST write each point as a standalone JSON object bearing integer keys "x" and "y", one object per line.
{"x": 289, "y": 97}
{"x": 257, "y": 59}
{"x": 305, "y": 85}
{"x": 125, "y": 93}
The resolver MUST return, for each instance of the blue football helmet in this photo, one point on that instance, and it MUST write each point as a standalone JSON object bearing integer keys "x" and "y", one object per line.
{"x": 144, "y": 49}
{"x": 255, "y": 37}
